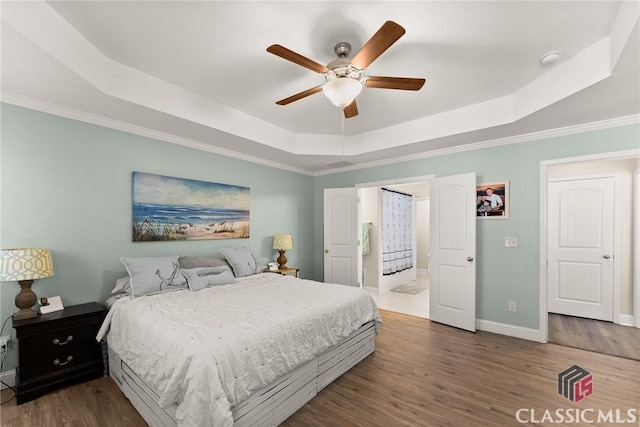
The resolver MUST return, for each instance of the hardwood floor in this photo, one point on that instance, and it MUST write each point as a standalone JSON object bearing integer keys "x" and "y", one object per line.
{"x": 97, "y": 403}
{"x": 422, "y": 374}
{"x": 427, "y": 374}
{"x": 595, "y": 335}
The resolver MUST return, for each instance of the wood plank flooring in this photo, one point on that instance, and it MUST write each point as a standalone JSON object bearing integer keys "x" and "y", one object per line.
{"x": 595, "y": 335}
{"x": 422, "y": 374}
{"x": 97, "y": 403}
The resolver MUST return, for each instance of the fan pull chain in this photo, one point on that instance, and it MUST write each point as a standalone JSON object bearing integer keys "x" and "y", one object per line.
{"x": 342, "y": 115}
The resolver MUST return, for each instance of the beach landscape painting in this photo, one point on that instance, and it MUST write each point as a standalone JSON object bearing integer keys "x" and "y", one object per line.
{"x": 168, "y": 208}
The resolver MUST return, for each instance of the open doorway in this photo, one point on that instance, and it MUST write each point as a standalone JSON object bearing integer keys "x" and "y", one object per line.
{"x": 561, "y": 311}
{"x": 407, "y": 291}
{"x": 452, "y": 249}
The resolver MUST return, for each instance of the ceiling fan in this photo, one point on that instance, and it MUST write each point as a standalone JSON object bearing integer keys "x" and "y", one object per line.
{"x": 344, "y": 79}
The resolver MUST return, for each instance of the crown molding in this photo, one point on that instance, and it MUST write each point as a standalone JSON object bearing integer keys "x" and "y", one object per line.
{"x": 69, "y": 113}
{"x": 57, "y": 110}
{"x": 516, "y": 139}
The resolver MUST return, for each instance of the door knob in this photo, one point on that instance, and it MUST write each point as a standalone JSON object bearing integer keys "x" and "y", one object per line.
{"x": 606, "y": 256}
{"x": 469, "y": 258}
{"x": 326, "y": 251}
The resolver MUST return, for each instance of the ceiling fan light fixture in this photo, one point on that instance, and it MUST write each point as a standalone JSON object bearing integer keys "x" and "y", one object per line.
{"x": 344, "y": 80}
{"x": 342, "y": 90}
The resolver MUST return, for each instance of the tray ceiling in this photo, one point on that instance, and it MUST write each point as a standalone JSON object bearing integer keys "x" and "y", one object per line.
{"x": 198, "y": 74}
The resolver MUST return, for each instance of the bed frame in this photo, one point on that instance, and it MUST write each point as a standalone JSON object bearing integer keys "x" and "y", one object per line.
{"x": 271, "y": 405}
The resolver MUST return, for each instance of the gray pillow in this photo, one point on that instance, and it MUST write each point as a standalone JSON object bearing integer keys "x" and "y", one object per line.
{"x": 201, "y": 261}
{"x": 154, "y": 274}
{"x": 242, "y": 261}
{"x": 200, "y": 278}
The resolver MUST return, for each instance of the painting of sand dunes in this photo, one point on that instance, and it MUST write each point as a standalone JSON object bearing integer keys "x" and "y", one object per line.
{"x": 168, "y": 208}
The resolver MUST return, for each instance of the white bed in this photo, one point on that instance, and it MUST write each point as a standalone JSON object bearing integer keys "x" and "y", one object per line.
{"x": 240, "y": 354}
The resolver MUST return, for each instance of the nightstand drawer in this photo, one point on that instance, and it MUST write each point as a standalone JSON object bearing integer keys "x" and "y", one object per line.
{"x": 56, "y": 341}
{"x": 60, "y": 360}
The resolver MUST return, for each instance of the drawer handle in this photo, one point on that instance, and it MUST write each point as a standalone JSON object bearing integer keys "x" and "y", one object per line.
{"x": 56, "y": 341}
{"x": 58, "y": 363}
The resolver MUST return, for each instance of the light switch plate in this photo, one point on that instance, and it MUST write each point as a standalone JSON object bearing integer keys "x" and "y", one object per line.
{"x": 511, "y": 242}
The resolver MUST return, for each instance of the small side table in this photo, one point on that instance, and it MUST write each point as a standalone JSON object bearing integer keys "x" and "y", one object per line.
{"x": 58, "y": 348}
{"x": 286, "y": 271}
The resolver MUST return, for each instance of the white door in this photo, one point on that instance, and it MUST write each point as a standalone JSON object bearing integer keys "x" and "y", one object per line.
{"x": 452, "y": 298}
{"x": 341, "y": 236}
{"x": 636, "y": 247}
{"x": 581, "y": 241}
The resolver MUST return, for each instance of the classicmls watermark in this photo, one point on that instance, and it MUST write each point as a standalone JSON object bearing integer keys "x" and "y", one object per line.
{"x": 576, "y": 384}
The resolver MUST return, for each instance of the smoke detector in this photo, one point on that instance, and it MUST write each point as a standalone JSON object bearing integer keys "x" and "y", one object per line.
{"x": 550, "y": 57}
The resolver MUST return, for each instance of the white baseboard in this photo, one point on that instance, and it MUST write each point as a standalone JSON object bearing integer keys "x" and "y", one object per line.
{"x": 422, "y": 271}
{"x": 508, "y": 330}
{"x": 627, "y": 320}
{"x": 9, "y": 378}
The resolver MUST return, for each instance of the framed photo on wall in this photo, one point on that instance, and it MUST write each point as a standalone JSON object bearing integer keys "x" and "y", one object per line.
{"x": 492, "y": 200}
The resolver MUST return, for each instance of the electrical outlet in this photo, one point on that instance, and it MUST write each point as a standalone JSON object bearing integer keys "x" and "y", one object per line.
{"x": 5, "y": 342}
{"x": 512, "y": 306}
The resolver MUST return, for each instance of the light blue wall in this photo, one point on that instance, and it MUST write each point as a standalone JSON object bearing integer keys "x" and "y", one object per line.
{"x": 503, "y": 274}
{"x": 66, "y": 185}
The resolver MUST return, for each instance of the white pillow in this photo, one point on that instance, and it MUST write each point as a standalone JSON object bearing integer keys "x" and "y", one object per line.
{"x": 200, "y": 278}
{"x": 154, "y": 274}
{"x": 242, "y": 261}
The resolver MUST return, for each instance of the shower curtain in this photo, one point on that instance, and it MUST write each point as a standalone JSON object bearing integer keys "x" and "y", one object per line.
{"x": 397, "y": 231}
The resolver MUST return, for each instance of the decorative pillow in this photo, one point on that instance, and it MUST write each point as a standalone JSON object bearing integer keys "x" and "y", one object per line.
{"x": 200, "y": 278}
{"x": 201, "y": 261}
{"x": 123, "y": 286}
{"x": 242, "y": 261}
{"x": 154, "y": 274}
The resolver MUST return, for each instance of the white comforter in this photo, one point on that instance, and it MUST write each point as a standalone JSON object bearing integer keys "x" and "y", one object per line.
{"x": 208, "y": 350}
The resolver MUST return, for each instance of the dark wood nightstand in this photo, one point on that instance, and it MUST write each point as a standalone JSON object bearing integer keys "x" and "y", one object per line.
{"x": 285, "y": 271}
{"x": 58, "y": 348}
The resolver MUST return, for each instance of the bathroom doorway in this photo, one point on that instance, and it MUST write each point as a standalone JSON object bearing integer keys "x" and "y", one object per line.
{"x": 406, "y": 292}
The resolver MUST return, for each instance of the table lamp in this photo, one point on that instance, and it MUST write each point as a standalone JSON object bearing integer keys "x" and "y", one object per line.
{"x": 282, "y": 242}
{"x": 25, "y": 265}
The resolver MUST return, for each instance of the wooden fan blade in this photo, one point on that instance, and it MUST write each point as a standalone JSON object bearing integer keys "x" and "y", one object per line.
{"x": 296, "y": 58}
{"x": 387, "y": 35}
{"x": 300, "y": 95}
{"x": 351, "y": 110}
{"x": 401, "y": 83}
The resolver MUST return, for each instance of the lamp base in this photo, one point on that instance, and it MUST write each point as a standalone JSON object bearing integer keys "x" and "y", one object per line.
{"x": 27, "y": 313}
{"x": 282, "y": 260}
{"x": 25, "y": 299}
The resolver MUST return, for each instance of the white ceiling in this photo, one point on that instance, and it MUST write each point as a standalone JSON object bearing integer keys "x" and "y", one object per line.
{"x": 198, "y": 74}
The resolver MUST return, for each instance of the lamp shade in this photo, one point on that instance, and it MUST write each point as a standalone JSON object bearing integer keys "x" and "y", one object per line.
{"x": 342, "y": 91}
{"x": 282, "y": 241}
{"x": 25, "y": 264}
